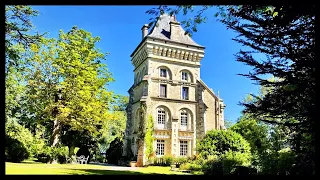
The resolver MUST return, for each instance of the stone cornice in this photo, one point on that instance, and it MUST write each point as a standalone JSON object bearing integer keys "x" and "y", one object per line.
{"x": 165, "y": 41}
{"x": 168, "y": 52}
{"x": 174, "y": 82}
{"x": 174, "y": 100}
{"x": 175, "y": 61}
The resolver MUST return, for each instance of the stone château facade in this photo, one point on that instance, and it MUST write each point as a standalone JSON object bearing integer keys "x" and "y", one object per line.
{"x": 167, "y": 85}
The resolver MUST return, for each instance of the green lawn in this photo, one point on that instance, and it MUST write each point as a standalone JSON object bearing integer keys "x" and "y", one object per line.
{"x": 80, "y": 169}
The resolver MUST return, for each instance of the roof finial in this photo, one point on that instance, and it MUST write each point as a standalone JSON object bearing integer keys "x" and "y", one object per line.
{"x": 174, "y": 17}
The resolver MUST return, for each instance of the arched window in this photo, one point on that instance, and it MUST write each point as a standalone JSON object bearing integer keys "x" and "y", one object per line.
{"x": 163, "y": 116}
{"x": 164, "y": 72}
{"x": 186, "y": 76}
{"x": 185, "y": 119}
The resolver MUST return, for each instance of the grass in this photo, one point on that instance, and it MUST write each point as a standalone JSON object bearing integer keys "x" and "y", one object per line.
{"x": 29, "y": 167}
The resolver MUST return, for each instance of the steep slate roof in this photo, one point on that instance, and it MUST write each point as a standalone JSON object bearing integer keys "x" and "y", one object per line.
{"x": 161, "y": 30}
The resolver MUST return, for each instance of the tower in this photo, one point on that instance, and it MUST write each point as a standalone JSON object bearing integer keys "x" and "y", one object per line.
{"x": 168, "y": 87}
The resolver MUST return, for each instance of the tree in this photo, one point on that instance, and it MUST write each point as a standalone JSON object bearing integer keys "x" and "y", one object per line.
{"x": 256, "y": 133}
{"x": 18, "y": 38}
{"x": 290, "y": 58}
{"x": 120, "y": 103}
{"x": 17, "y": 33}
{"x": 286, "y": 35}
{"x": 112, "y": 128}
{"x": 69, "y": 82}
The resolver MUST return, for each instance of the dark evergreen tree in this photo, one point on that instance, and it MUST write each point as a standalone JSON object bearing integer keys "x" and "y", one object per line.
{"x": 287, "y": 38}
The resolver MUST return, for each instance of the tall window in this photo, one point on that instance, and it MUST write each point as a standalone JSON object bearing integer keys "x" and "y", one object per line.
{"x": 161, "y": 116}
{"x": 185, "y": 93}
{"x": 163, "y": 73}
{"x": 184, "y": 120}
{"x": 184, "y": 76}
{"x": 160, "y": 147}
{"x": 183, "y": 148}
{"x": 163, "y": 90}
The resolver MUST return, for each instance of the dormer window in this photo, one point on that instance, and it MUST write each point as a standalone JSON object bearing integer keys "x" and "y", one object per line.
{"x": 184, "y": 76}
{"x": 163, "y": 73}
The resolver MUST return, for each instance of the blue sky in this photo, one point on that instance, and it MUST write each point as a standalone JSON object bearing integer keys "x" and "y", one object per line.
{"x": 119, "y": 28}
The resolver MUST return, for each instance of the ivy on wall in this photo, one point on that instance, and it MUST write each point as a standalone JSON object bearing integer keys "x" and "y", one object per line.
{"x": 149, "y": 137}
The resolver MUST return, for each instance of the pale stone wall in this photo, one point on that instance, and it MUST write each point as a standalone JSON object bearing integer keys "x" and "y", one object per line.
{"x": 202, "y": 103}
{"x": 211, "y": 118}
{"x": 138, "y": 90}
{"x": 174, "y": 66}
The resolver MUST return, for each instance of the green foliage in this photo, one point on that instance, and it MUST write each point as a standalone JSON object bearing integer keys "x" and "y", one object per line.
{"x": 45, "y": 155}
{"x": 288, "y": 41}
{"x": 17, "y": 34}
{"x": 112, "y": 128}
{"x": 99, "y": 158}
{"x": 226, "y": 164}
{"x": 190, "y": 166}
{"x": 218, "y": 142}
{"x": 254, "y": 132}
{"x": 114, "y": 152}
{"x": 220, "y": 151}
{"x": 168, "y": 159}
{"x": 149, "y": 139}
{"x": 14, "y": 130}
{"x": 15, "y": 151}
{"x": 120, "y": 103}
{"x": 60, "y": 153}
{"x": 180, "y": 160}
{"x": 70, "y": 65}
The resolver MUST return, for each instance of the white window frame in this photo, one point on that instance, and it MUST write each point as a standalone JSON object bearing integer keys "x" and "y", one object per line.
{"x": 183, "y": 120}
{"x": 161, "y": 118}
{"x": 160, "y": 147}
{"x": 166, "y": 90}
{"x": 183, "y": 148}
{"x": 187, "y": 96}
{"x": 184, "y": 76}
{"x": 166, "y": 73}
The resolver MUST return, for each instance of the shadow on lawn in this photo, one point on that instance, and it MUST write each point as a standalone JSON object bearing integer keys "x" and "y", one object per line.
{"x": 110, "y": 172}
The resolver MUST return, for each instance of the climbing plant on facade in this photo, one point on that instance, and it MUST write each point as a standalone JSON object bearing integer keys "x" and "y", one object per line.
{"x": 149, "y": 137}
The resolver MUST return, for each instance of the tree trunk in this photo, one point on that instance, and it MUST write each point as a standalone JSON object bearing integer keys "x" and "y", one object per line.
{"x": 56, "y": 133}
{"x": 71, "y": 150}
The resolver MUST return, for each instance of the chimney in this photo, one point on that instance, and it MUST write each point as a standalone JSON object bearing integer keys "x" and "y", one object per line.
{"x": 174, "y": 29}
{"x": 144, "y": 30}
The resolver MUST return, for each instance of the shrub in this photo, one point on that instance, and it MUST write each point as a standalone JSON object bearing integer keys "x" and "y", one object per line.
{"x": 159, "y": 161}
{"x": 15, "y": 151}
{"x": 38, "y": 143}
{"x": 45, "y": 155}
{"x": 226, "y": 164}
{"x": 213, "y": 167}
{"x": 168, "y": 159}
{"x": 243, "y": 170}
{"x": 218, "y": 142}
{"x": 190, "y": 166}
{"x": 14, "y": 130}
{"x": 114, "y": 152}
{"x": 60, "y": 153}
{"x": 180, "y": 160}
